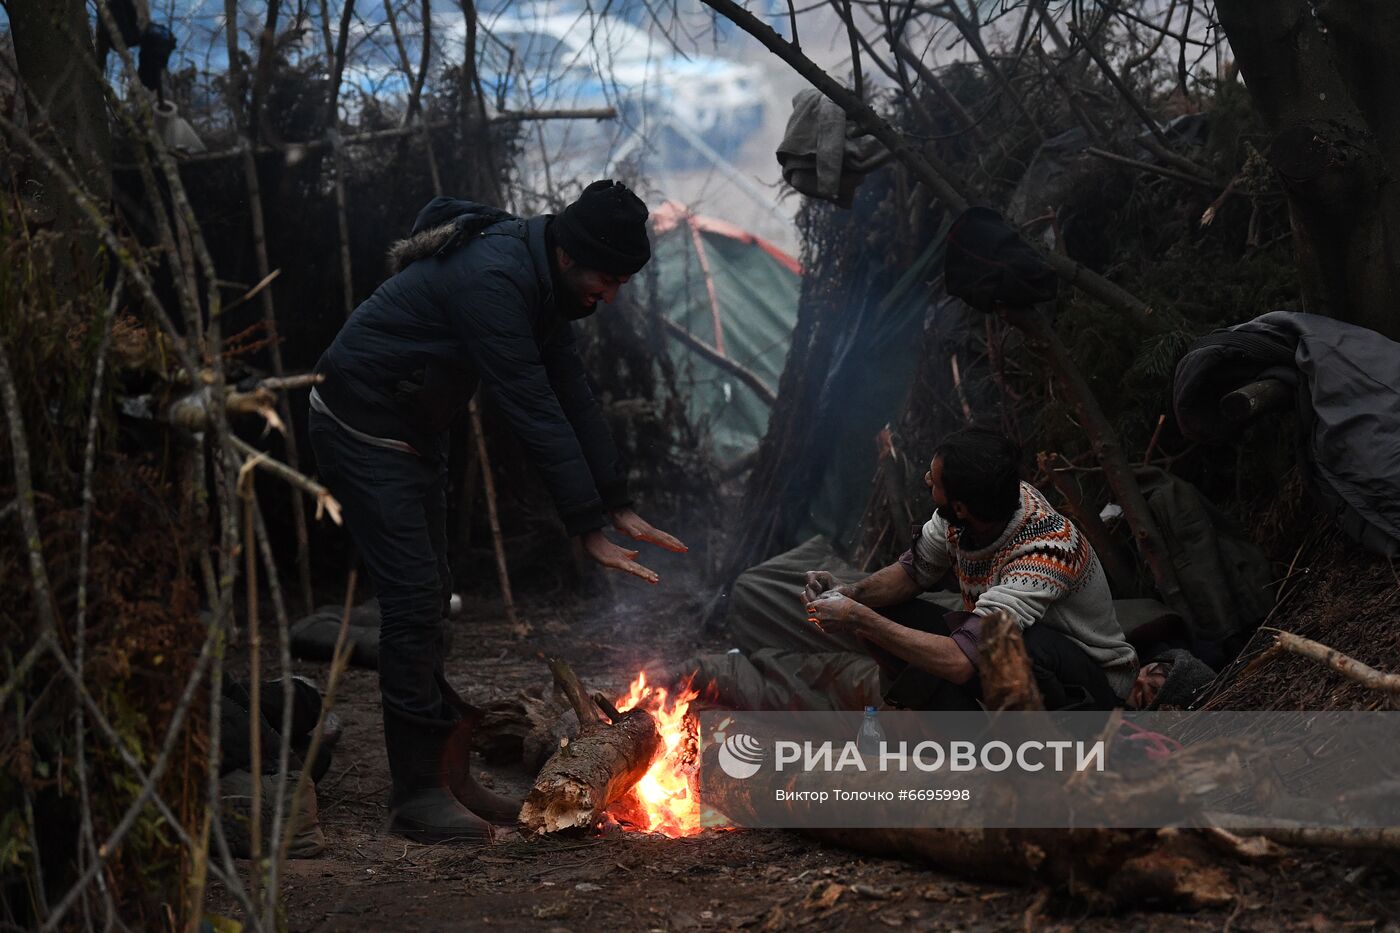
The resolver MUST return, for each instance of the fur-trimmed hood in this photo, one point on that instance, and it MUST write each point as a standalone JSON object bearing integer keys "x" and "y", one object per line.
{"x": 442, "y": 226}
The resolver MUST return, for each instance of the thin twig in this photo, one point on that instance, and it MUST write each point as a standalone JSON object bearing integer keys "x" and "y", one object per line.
{"x": 335, "y": 53}
{"x": 1152, "y": 444}
{"x": 518, "y": 628}
{"x": 1141, "y": 166}
{"x": 325, "y": 502}
{"x": 250, "y": 579}
{"x": 284, "y": 647}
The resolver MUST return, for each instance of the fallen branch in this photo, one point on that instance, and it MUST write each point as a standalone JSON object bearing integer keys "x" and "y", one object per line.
{"x": 576, "y": 786}
{"x": 525, "y": 116}
{"x": 745, "y": 375}
{"x": 295, "y": 150}
{"x": 1369, "y": 837}
{"x": 1242, "y": 830}
{"x": 1348, "y": 667}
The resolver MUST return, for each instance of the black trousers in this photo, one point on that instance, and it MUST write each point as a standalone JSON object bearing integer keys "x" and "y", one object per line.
{"x": 1067, "y": 677}
{"x": 395, "y": 507}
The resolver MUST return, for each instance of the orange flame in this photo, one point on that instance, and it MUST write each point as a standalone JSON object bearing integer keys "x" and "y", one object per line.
{"x": 667, "y": 793}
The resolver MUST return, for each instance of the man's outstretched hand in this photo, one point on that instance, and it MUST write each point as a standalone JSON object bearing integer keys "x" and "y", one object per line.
{"x": 639, "y": 529}
{"x": 597, "y": 546}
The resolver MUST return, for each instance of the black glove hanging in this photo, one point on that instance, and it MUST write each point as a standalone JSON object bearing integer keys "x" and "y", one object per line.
{"x": 157, "y": 45}
{"x": 124, "y": 15}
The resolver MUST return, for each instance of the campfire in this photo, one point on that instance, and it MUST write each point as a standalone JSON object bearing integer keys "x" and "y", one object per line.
{"x": 666, "y": 800}
{"x": 633, "y": 764}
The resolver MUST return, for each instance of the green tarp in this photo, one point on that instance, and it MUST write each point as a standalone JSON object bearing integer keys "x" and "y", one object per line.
{"x": 708, "y": 272}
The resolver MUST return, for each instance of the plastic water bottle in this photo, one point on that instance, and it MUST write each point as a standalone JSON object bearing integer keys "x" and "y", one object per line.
{"x": 871, "y": 733}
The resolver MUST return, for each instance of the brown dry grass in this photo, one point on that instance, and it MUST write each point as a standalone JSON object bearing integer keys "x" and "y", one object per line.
{"x": 1331, "y": 591}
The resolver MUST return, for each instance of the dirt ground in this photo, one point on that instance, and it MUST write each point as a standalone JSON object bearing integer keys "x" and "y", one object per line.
{"x": 719, "y": 880}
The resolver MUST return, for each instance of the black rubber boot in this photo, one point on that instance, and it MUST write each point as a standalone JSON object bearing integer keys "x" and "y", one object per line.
{"x": 422, "y": 806}
{"x": 485, "y": 803}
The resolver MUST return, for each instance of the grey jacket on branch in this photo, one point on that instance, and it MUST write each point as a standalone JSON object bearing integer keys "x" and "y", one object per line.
{"x": 473, "y": 302}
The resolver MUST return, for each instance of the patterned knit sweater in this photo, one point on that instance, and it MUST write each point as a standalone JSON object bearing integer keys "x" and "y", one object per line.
{"x": 1040, "y": 570}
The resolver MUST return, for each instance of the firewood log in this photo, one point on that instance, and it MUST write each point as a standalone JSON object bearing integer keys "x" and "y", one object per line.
{"x": 576, "y": 786}
{"x": 1008, "y": 681}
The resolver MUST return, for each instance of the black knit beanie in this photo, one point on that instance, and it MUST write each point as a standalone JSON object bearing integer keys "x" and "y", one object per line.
{"x": 1188, "y": 677}
{"x": 605, "y": 229}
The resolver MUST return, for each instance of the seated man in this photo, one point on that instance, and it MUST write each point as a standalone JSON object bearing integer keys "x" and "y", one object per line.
{"x": 1010, "y": 551}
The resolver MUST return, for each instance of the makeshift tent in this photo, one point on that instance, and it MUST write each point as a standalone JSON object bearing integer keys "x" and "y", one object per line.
{"x": 726, "y": 295}
{"x": 868, "y": 384}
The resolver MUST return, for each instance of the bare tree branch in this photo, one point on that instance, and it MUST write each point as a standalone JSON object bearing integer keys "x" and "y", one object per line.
{"x": 1154, "y": 169}
{"x": 921, "y": 164}
{"x": 87, "y": 847}
{"x": 24, "y": 495}
{"x": 940, "y": 90}
{"x": 973, "y": 37}
{"x": 745, "y": 375}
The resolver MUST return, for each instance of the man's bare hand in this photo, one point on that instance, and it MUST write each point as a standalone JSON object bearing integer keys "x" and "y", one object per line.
{"x": 834, "y": 613}
{"x": 818, "y": 582}
{"x": 597, "y": 546}
{"x": 637, "y": 528}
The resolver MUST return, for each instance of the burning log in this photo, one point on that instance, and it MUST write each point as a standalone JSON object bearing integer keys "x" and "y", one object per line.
{"x": 576, "y": 786}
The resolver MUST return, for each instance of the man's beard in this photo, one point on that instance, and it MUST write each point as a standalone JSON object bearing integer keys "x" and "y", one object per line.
{"x": 574, "y": 310}
{"x": 957, "y": 524}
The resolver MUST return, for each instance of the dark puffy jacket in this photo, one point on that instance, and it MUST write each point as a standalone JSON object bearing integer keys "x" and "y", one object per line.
{"x": 474, "y": 304}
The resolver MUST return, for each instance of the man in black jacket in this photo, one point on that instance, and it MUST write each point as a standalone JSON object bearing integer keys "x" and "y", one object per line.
{"x": 478, "y": 297}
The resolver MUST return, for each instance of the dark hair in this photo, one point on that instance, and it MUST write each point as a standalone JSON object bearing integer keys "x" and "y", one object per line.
{"x": 981, "y": 469}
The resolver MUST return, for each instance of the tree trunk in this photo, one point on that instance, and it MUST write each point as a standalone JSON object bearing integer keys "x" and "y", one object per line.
{"x": 68, "y": 116}
{"x": 1322, "y": 75}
